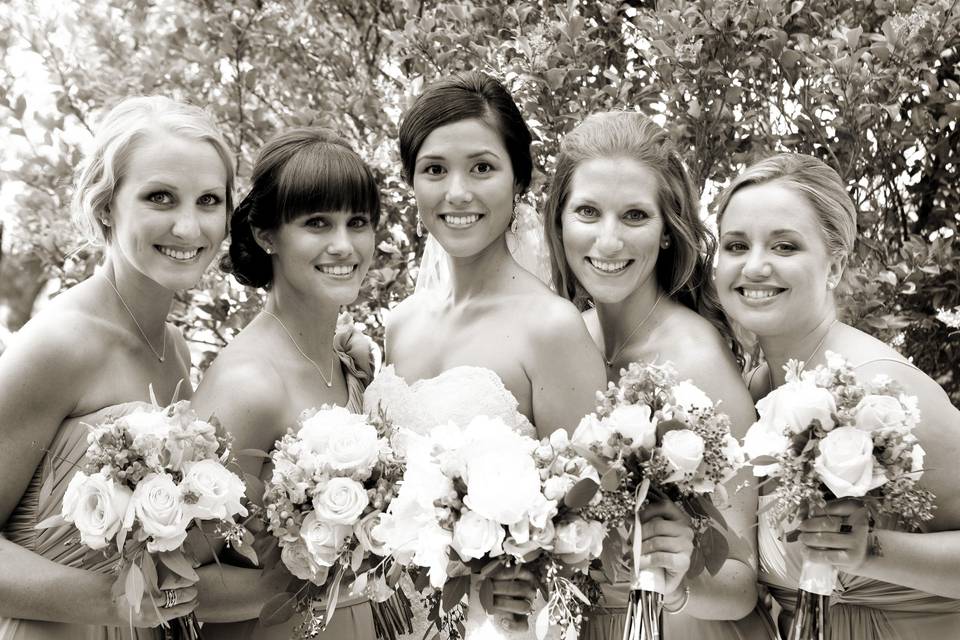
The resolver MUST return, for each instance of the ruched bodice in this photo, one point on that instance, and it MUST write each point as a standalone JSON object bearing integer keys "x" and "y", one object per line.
{"x": 860, "y": 608}
{"x": 42, "y": 499}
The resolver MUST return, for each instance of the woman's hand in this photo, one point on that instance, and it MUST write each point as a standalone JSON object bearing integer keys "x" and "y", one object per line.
{"x": 667, "y": 542}
{"x": 514, "y": 590}
{"x": 153, "y": 611}
{"x": 838, "y": 535}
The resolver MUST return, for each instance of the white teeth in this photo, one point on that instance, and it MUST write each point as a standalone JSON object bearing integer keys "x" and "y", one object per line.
{"x": 610, "y": 266}
{"x": 179, "y": 254}
{"x": 759, "y": 294}
{"x": 337, "y": 269}
{"x": 460, "y": 220}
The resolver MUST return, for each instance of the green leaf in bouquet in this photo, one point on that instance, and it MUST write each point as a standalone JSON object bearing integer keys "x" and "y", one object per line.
{"x": 669, "y": 425}
{"x": 453, "y": 592}
{"x": 245, "y": 548}
{"x": 703, "y": 506}
{"x": 580, "y": 494}
{"x": 576, "y": 591}
{"x": 598, "y": 463}
{"x": 356, "y": 558}
{"x": 611, "y": 556}
{"x": 761, "y": 461}
{"x": 252, "y": 453}
{"x": 421, "y": 582}
{"x": 486, "y": 596}
{"x": 611, "y": 479}
{"x": 715, "y": 549}
{"x": 333, "y": 596}
{"x": 134, "y": 586}
{"x": 53, "y": 521}
{"x": 394, "y": 573}
{"x": 178, "y": 564}
{"x": 149, "y": 569}
{"x": 359, "y": 584}
{"x": 697, "y": 562}
{"x": 278, "y": 609}
{"x": 492, "y": 566}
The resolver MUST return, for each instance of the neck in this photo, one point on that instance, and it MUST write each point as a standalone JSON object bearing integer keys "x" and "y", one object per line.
{"x": 807, "y": 345}
{"x": 312, "y": 326}
{"x": 145, "y": 299}
{"x": 480, "y": 274}
{"x": 619, "y": 319}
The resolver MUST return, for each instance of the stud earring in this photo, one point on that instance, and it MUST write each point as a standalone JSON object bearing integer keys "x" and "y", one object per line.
{"x": 665, "y": 242}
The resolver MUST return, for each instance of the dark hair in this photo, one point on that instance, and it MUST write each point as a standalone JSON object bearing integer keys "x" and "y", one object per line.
{"x": 462, "y": 97}
{"x": 683, "y": 269}
{"x": 300, "y": 171}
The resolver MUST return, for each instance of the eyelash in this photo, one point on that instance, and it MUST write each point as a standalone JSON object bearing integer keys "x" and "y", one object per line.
{"x": 166, "y": 198}
{"x": 586, "y": 212}
{"x": 317, "y": 222}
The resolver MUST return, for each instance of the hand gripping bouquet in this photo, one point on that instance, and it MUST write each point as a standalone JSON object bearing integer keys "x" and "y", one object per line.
{"x": 331, "y": 480}
{"x": 146, "y": 479}
{"x": 824, "y": 435}
{"x": 484, "y": 496}
{"x": 655, "y": 437}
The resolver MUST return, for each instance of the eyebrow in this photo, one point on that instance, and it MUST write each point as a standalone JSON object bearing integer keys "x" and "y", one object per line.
{"x": 477, "y": 154}
{"x": 646, "y": 206}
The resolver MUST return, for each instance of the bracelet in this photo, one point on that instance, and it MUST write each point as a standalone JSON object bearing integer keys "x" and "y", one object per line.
{"x": 684, "y": 599}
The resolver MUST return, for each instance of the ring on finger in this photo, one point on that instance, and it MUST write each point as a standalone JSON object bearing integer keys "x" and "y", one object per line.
{"x": 170, "y": 598}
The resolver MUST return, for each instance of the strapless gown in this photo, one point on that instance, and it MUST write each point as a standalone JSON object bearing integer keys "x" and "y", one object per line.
{"x": 458, "y": 394}
{"x": 860, "y": 608}
{"x": 42, "y": 499}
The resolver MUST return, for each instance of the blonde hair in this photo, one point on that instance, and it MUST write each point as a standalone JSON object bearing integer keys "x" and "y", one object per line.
{"x": 813, "y": 179}
{"x": 118, "y": 132}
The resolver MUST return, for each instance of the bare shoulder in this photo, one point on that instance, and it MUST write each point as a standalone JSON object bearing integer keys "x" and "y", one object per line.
{"x": 241, "y": 384}
{"x": 410, "y": 312}
{"x": 549, "y": 317}
{"x": 694, "y": 345}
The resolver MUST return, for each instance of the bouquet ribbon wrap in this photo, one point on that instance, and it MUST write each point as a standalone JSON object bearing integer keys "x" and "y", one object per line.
{"x": 648, "y": 579}
{"x": 817, "y": 577}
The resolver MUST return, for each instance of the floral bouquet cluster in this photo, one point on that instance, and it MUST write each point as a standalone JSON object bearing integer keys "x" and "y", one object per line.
{"x": 145, "y": 479}
{"x": 825, "y": 435}
{"x": 653, "y": 436}
{"x": 483, "y": 496}
{"x": 331, "y": 480}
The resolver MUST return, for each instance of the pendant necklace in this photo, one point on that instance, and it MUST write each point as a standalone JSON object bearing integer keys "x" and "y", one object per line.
{"x": 329, "y": 382}
{"x": 803, "y": 363}
{"x": 623, "y": 345}
{"x": 163, "y": 351}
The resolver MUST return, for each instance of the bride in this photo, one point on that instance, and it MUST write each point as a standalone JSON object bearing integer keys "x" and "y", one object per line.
{"x": 488, "y": 338}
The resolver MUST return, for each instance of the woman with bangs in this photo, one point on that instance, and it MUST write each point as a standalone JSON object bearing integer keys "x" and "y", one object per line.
{"x": 305, "y": 234}
{"x": 629, "y": 248}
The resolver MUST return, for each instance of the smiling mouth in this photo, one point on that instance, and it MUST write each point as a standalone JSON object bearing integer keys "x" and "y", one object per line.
{"x": 337, "y": 270}
{"x": 765, "y": 293}
{"x": 609, "y": 266}
{"x": 178, "y": 254}
{"x": 460, "y": 219}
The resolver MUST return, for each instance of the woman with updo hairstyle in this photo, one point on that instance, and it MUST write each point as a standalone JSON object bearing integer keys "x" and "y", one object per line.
{"x": 481, "y": 336}
{"x": 154, "y": 190}
{"x": 787, "y": 227}
{"x": 629, "y": 247}
{"x": 304, "y": 233}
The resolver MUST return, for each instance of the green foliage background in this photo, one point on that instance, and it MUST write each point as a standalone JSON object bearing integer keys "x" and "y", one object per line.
{"x": 870, "y": 86}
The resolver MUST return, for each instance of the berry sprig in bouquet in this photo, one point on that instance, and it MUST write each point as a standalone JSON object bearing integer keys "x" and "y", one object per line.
{"x": 331, "y": 480}
{"x": 147, "y": 478}
{"x": 654, "y": 437}
{"x": 484, "y": 496}
{"x": 825, "y": 435}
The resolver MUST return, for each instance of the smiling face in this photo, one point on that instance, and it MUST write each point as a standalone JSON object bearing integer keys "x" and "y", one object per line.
{"x": 322, "y": 257}
{"x": 774, "y": 268}
{"x": 612, "y": 228}
{"x": 169, "y": 213}
{"x": 463, "y": 183}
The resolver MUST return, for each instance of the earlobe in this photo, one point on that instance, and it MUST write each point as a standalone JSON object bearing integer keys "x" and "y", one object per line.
{"x": 264, "y": 240}
{"x": 835, "y": 273}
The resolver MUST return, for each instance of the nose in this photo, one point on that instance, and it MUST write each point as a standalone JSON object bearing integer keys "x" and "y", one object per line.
{"x": 340, "y": 244}
{"x": 458, "y": 189}
{"x": 187, "y": 223}
{"x": 609, "y": 241}
{"x": 756, "y": 266}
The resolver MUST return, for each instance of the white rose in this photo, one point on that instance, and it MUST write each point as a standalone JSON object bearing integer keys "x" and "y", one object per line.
{"x": 475, "y": 536}
{"x": 322, "y": 540}
{"x": 502, "y": 485}
{"x": 592, "y": 430}
{"x": 764, "y": 439}
{"x": 316, "y": 430}
{"x": 291, "y": 478}
{"x": 96, "y": 506}
{"x": 845, "y": 462}
{"x": 792, "y": 407}
{"x": 560, "y": 439}
{"x": 875, "y": 413}
{"x": 300, "y": 563}
{"x": 146, "y": 424}
{"x": 556, "y": 487}
{"x": 735, "y": 455}
{"x": 916, "y": 467}
{"x": 158, "y": 504}
{"x": 342, "y": 501}
{"x": 536, "y": 538}
{"x": 211, "y": 492}
{"x": 366, "y": 534}
{"x": 691, "y": 397}
{"x": 578, "y": 540}
{"x": 633, "y": 421}
{"x": 197, "y": 441}
{"x": 354, "y": 450}
{"x": 683, "y": 449}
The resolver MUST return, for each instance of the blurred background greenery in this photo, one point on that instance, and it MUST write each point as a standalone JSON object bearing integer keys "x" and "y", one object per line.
{"x": 870, "y": 86}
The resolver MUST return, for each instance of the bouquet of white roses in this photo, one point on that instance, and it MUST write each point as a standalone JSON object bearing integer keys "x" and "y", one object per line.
{"x": 331, "y": 480}
{"x": 655, "y": 436}
{"x": 146, "y": 478}
{"x": 825, "y": 435}
{"x": 476, "y": 498}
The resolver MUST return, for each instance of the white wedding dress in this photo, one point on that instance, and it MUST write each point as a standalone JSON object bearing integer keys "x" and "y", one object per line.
{"x": 458, "y": 394}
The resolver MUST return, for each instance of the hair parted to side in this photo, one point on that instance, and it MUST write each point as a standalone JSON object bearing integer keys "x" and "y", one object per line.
{"x": 683, "y": 269}
{"x": 118, "y": 133}
{"x": 813, "y": 179}
{"x": 462, "y": 97}
{"x": 303, "y": 170}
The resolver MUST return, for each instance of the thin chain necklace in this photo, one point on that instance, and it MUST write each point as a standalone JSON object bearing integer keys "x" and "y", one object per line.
{"x": 803, "y": 363}
{"x": 163, "y": 352}
{"x": 624, "y": 344}
{"x": 328, "y": 382}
